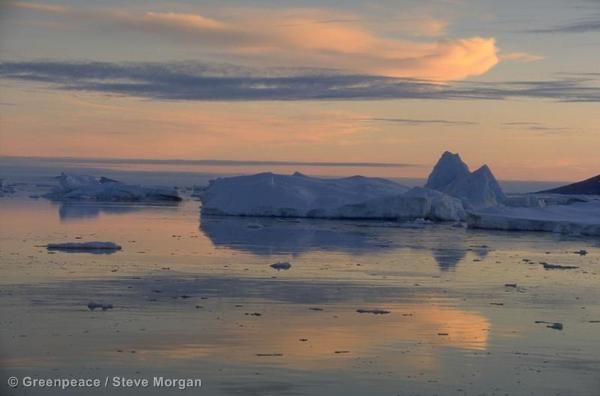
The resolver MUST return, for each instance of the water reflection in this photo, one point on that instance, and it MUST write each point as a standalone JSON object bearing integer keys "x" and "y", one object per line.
{"x": 298, "y": 338}
{"x": 91, "y": 210}
{"x": 448, "y": 259}
{"x": 283, "y": 328}
{"x": 270, "y": 236}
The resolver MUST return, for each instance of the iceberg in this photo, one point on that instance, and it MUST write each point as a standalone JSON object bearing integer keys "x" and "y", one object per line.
{"x": 417, "y": 203}
{"x": 102, "y": 189}
{"x": 452, "y": 193}
{"x": 579, "y": 218}
{"x": 478, "y": 189}
{"x": 297, "y": 195}
{"x": 449, "y": 168}
{"x": 6, "y": 188}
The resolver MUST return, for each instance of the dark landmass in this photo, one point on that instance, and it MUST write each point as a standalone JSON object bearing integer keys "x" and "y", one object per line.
{"x": 589, "y": 186}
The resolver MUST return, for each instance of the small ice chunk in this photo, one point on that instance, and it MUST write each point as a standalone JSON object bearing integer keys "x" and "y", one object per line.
{"x": 551, "y": 325}
{"x": 373, "y": 311}
{"x": 283, "y": 265}
{"x": 94, "y": 305}
{"x": 558, "y": 266}
{"x": 91, "y": 247}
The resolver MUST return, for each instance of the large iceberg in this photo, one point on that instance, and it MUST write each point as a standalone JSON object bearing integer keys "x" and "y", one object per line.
{"x": 452, "y": 193}
{"x": 478, "y": 189}
{"x": 101, "y": 189}
{"x": 580, "y": 218}
{"x": 297, "y": 195}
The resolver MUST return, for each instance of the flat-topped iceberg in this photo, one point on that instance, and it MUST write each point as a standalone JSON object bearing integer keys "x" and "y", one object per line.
{"x": 101, "y": 189}
{"x": 297, "y": 195}
{"x": 580, "y": 218}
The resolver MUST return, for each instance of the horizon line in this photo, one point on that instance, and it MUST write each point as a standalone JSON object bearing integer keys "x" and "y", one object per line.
{"x": 219, "y": 162}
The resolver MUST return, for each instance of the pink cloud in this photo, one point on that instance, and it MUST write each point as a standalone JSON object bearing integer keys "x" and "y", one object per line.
{"x": 311, "y": 38}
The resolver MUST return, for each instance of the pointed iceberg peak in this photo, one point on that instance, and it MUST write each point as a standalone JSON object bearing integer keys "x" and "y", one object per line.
{"x": 484, "y": 170}
{"x": 476, "y": 189}
{"x": 448, "y": 168}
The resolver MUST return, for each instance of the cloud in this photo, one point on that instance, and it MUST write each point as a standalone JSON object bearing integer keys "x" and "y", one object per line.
{"x": 534, "y": 126}
{"x": 211, "y": 82}
{"x": 39, "y": 7}
{"x": 583, "y": 26}
{"x": 416, "y": 122}
{"x": 520, "y": 57}
{"x": 299, "y": 37}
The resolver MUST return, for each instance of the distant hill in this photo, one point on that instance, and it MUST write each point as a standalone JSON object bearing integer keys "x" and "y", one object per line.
{"x": 589, "y": 186}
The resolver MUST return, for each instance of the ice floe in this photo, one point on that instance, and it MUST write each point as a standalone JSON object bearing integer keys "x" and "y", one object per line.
{"x": 580, "y": 218}
{"x": 87, "y": 247}
{"x": 91, "y": 188}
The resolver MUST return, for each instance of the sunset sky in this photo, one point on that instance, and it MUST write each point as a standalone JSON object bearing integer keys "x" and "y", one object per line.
{"x": 514, "y": 84}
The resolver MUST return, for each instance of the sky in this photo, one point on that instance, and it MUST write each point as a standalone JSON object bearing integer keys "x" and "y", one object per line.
{"x": 511, "y": 84}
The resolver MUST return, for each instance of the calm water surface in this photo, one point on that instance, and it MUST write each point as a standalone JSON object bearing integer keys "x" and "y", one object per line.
{"x": 195, "y": 297}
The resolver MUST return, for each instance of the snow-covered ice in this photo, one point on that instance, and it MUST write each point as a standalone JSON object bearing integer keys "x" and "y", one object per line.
{"x": 449, "y": 168}
{"x": 478, "y": 189}
{"x": 452, "y": 193}
{"x": 416, "y": 203}
{"x": 91, "y": 188}
{"x": 580, "y": 218}
{"x": 297, "y": 195}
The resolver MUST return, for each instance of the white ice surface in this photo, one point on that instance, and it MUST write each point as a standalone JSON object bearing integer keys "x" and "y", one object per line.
{"x": 297, "y": 195}
{"x": 417, "y": 203}
{"x": 580, "y": 218}
{"x": 90, "y": 188}
{"x": 478, "y": 189}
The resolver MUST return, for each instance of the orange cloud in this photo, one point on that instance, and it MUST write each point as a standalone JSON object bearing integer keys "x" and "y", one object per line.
{"x": 314, "y": 38}
{"x": 38, "y": 7}
{"x": 521, "y": 57}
